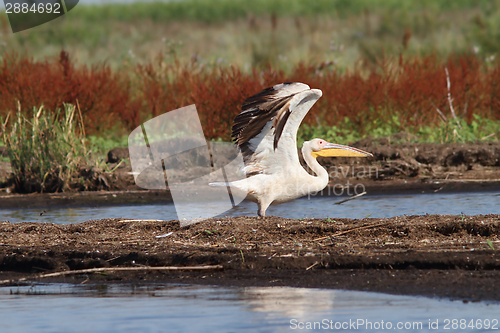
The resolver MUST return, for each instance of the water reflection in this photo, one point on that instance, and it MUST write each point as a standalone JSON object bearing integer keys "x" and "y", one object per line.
{"x": 191, "y": 308}
{"x": 298, "y": 303}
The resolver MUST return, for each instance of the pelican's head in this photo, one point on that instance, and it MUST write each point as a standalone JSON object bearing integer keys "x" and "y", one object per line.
{"x": 320, "y": 147}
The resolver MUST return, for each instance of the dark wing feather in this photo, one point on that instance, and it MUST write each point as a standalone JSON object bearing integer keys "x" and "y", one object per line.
{"x": 259, "y": 109}
{"x": 281, "y": 124}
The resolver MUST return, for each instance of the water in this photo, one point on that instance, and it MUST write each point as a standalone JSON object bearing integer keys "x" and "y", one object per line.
{"x": 317, "y": 207}
{"x": 186, "y": 308}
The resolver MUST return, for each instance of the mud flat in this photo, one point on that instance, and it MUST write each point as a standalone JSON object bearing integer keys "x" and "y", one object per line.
{"x": 433, "y": 255}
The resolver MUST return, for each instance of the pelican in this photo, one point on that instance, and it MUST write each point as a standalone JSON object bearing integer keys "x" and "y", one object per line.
{"x": 266, "y": 134}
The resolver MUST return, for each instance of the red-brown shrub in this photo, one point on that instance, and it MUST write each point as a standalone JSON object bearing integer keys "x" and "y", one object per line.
{"x": 102, "y": 94}
{"x": 410, "y": 89}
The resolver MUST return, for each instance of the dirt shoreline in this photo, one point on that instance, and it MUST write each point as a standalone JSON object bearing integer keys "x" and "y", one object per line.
{"x": 433, "y": 255}
{"x": 395, "y": 168}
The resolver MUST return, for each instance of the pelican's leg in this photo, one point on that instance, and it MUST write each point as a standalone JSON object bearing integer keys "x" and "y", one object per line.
{"x": 262, "y": 208}
{"x": 261, "y": 212}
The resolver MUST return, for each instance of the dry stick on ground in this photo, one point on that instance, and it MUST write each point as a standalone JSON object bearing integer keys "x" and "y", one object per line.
{"x": 488, "y": 136}
{"x": 113, "y": 269}
{"x": 350, "y": 230}
{"x": 308, "y": 268}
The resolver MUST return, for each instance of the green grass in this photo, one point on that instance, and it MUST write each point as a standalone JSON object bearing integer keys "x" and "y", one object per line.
{"x": 102, "y": 144}
{"x": 453, "y": 131}
{"x": 45, "y": 150}
{"x": 216, "y": 11}
{"x": 236, "y": 32}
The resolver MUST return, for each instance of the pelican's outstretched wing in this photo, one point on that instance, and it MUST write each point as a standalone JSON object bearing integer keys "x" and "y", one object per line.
{"x": 266, "y": 129}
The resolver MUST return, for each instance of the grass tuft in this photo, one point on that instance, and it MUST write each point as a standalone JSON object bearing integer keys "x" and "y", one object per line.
{"x": 46, "y": 150}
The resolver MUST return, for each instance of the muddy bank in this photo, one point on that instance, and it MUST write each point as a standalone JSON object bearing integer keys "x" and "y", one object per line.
{"x": 450, "y": 256}
{"x": 394, "y": 159}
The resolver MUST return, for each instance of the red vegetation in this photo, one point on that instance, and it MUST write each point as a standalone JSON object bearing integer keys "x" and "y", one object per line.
{"x": 102, "y": 95}
{"x": 412, "y": 89}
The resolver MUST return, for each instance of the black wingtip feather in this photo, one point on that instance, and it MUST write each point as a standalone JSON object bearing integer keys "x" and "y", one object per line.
{"x": 256, "y": 112}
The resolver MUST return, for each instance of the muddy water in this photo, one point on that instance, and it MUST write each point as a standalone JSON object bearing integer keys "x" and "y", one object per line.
{"x": 184, "y": 308}
{"x": 315, "y": 207}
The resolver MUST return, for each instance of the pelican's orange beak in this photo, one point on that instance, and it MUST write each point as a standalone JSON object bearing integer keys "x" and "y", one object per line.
{"x": 335, "y": 150}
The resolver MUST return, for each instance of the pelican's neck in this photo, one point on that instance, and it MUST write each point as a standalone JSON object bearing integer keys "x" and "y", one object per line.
{"x": 312, "y": 163}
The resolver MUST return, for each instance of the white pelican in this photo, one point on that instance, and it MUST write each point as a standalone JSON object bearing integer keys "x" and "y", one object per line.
{"x": 266, "y": 134}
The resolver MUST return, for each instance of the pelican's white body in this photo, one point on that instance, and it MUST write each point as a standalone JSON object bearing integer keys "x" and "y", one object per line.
{"x": 287, "y": 182}
{"x": 274, "y": 173}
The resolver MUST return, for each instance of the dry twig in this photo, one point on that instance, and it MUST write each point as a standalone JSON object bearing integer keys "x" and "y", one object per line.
{"x": 350, "y": 230}
{"x": 308, "y": 268}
